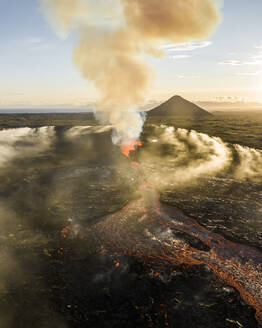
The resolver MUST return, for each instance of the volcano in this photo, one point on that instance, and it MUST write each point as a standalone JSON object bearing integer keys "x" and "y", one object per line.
{"x": 179, "y": 107}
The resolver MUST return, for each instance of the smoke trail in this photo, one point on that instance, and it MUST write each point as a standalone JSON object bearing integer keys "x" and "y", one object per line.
{"x": 115, "y": 36}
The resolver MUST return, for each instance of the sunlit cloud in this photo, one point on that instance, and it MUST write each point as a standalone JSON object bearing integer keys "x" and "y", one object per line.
{"x": 32, "y": 43}
{"x": 189, "y": 46}
{"x": 240, "y": 62}
{"x": 29, "y": 41}
{"x": 33, "y": 40}
{"x": 181, "y": 56}
{"x": 230, "y": 99}
{"x": 250, "y": 73}
{"x": 253, "y": 59}
{"x": 188, "y": 77}
{"x": 259, "y": 56}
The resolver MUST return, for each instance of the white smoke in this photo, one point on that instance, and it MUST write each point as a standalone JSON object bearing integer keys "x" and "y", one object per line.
{"x": 24, "y": 142}
{"x": 191, "y": 155}
{"x": 86, "y": 130}
{"x": 250, "y": 163}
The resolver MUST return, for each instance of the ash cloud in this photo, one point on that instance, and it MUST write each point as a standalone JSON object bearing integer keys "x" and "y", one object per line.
{"x": 114, "y": 39}
{"x": 177, "y": 21}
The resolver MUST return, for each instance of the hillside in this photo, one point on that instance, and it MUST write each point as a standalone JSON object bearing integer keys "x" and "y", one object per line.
{"x": 178, "y": 106}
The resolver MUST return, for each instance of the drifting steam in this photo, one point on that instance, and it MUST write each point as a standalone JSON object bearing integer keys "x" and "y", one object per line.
{"x": 189, "y": 155}
{"x": 24, "y": 142}
{"x": 115, "y": 36}
{"x": 168, "y": 155}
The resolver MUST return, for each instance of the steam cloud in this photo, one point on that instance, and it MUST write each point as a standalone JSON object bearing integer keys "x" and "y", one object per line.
{"x": 189, "y": 155}
{"x": 24, "y": 142}
{"x": 115, "y": 36}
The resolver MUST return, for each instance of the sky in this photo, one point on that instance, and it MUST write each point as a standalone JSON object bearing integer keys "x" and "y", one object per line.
{"x": 36, "y": 68}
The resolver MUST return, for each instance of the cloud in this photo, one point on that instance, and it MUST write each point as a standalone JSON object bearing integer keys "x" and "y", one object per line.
{"x": 29, "y": 41}
{"x": 32, "y": 43}
{"x": 33, "y": 40}
{"x": 187, "y": 77}
{"x": 189, "y": 46}
{"x": 259, "y": 56}
{"x": 231, "y": 99}
{"x": 250, "y": 73}
{"x": 240, "y": 62}
{"x": 181, "y": 56}
{"x": 255, "y": 59}
{"x": 41, "y": 47}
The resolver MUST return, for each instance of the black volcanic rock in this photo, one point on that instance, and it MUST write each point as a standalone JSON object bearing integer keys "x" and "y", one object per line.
{"x": 180, "y": 107}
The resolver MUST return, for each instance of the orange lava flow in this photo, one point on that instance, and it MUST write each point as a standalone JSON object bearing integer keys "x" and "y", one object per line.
{"x": 125, "y": 149}
{"x": 146, "y": 229}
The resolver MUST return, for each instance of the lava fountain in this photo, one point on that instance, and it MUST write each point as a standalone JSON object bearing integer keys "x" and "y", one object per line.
{"x": 127, "y": 148}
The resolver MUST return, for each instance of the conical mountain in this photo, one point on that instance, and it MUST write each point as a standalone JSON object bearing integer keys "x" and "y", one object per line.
{"x": 179, "y": 107}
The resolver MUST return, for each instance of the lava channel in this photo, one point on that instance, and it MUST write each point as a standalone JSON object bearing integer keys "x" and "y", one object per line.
{"x": 151, "y": 231}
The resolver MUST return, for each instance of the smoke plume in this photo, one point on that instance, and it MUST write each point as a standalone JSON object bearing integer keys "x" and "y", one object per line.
{"x": 115, "y": 36}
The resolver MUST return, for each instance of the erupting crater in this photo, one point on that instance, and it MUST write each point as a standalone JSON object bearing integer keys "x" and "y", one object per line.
{"x": 127, "y": 148}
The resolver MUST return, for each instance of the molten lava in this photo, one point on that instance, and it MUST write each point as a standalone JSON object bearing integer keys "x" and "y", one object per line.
{"x": 132, "y": 146}
{"x": 151, "y": 231}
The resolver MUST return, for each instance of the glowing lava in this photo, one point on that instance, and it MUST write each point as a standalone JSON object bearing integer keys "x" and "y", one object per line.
{"x": 132, "y": 146}
{"x": 149, "y": 230}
